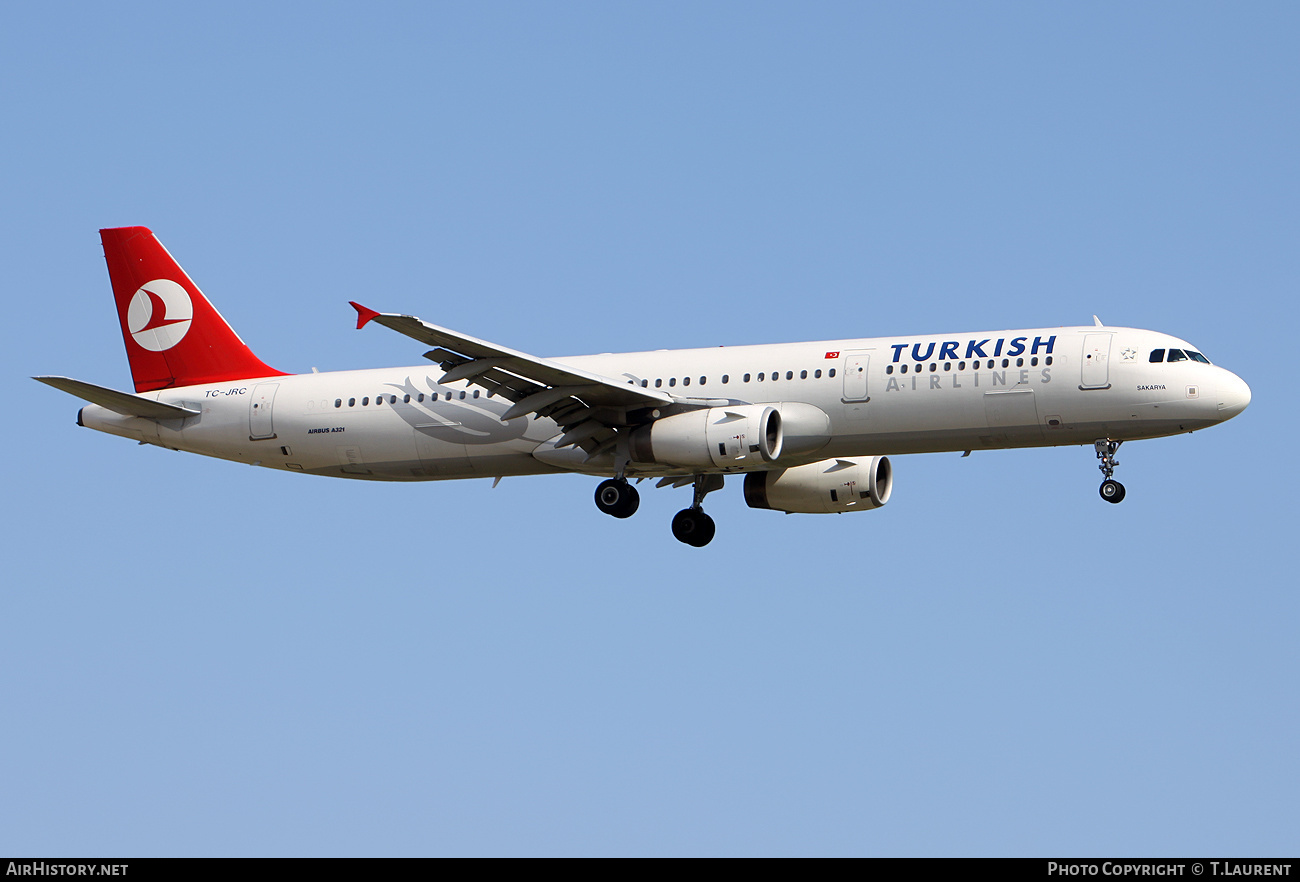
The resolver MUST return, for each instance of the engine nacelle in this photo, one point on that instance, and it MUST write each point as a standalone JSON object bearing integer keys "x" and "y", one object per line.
{"x": 716, "y": 437}
{"x": 856, "y": 483}
{"x": 805, "y": 428}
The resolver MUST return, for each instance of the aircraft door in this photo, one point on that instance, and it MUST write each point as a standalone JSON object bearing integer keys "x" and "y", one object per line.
{"x": 1095, "y": 363}
{"x": 260, "y": 426}
{"x": 855, "y": 375}
{"x": 856, "y": 369}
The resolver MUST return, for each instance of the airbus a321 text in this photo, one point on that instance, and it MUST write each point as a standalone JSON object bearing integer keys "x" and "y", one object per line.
{"x": 809, "y": 426}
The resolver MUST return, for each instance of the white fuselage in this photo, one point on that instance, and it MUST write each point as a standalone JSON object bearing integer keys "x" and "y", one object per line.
{"x": 890, "y": 395}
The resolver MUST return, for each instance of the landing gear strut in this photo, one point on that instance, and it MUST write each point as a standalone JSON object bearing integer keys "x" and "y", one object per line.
{"x": 692, "y": 525}
{"x": 1111, "y": 490}
{"x": 618, "y": 498}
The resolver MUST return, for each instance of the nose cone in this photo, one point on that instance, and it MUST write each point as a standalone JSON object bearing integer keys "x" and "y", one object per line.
{"x": 1234, "y": 395}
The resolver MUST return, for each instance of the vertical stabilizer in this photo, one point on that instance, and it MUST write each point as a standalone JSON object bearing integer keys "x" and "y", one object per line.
{"x": 173, "y": 335}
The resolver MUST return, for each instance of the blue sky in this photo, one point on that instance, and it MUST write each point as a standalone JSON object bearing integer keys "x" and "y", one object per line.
{"x": 206, "y": 659}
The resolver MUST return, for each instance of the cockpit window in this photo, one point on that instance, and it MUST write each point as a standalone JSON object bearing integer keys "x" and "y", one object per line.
{"x": 1158, "y": 355}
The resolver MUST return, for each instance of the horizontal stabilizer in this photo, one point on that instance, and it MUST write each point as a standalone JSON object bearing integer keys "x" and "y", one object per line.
{"x": 119, "y": 402}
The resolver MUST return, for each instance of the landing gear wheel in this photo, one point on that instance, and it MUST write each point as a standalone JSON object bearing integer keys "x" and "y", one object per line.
{"x": 1112, "y": 491}
{"x": 694, "y": 527}
{"x": 617, "y": 498}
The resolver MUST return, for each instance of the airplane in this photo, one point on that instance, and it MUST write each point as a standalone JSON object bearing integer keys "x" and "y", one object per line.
{"x": 808, "y": 427}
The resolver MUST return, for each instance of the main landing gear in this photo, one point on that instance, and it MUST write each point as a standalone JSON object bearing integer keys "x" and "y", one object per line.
{"x": 1110, "y": 490}
{"x": 620, "y": 499}
{"x": 692, "y": 525}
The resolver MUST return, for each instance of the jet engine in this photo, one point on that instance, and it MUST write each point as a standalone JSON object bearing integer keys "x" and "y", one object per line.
{"x": 715, "y": 437}
{"x": 855, "y": 483}
{"x": 805, "y": 428}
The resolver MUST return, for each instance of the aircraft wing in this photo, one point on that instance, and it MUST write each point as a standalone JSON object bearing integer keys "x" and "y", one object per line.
{"x": 589, "y": 407}
{"x": 119, "y": 402}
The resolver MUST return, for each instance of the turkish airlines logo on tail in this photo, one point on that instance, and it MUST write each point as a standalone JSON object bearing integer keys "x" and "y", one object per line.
{"x": 159, "y": 315}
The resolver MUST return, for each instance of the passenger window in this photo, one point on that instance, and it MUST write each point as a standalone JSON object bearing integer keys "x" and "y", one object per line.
{"x": 462, "y": 394}
{"x": 1006, "y": 362}
{"x": 476, "y": 391}
{"x": 672, "y": 381}
{"x": 1047, "y": 360}
{"x": 776, "y": 375}
{"x": 817, "y": 374}
{"x": 420, "y": 397}
{"x": 1033, "y": 362}
{"x": 961, "y": 365}
{"x": 903, "y": 369}
{"x": 365, "y": 401}
{"x": 658, "y": 383}
{"x": 803, "y": 375}
{"x": 990, "y": 364}
{"x": 789, "y": 375}
{"x": 686, "y": 381}
{"x": 746, "y": 378}
{"x": 726, "y": 378}
{"x": 1020, "y": 362}
{"x": 1157, "y": 356}
{"x": 1176, "y": 355}
{"x": 703, "y": 380}
{"x": 338, "y": 402}
{"x": 760, "y": 376}
{"x": 831, "y": 372}
{"x": 645, "y": 384}
{"x": 379, "y": 399}
{"x": 889, "y": 369}
{"x": 406, "y": 399}
{"x": 934, "y": 366}
{"x": 947, "y": 365}
{"x": 352, "y": 402}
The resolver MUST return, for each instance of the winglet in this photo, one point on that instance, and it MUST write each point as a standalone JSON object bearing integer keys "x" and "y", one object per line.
{"x": 364, "y": 314}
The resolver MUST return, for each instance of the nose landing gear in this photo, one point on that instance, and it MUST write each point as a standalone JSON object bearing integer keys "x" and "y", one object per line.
{"x": 1110, "y": 490}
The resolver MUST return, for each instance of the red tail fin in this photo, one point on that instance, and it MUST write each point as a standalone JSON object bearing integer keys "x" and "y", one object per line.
{"x": 173, "y": 335}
